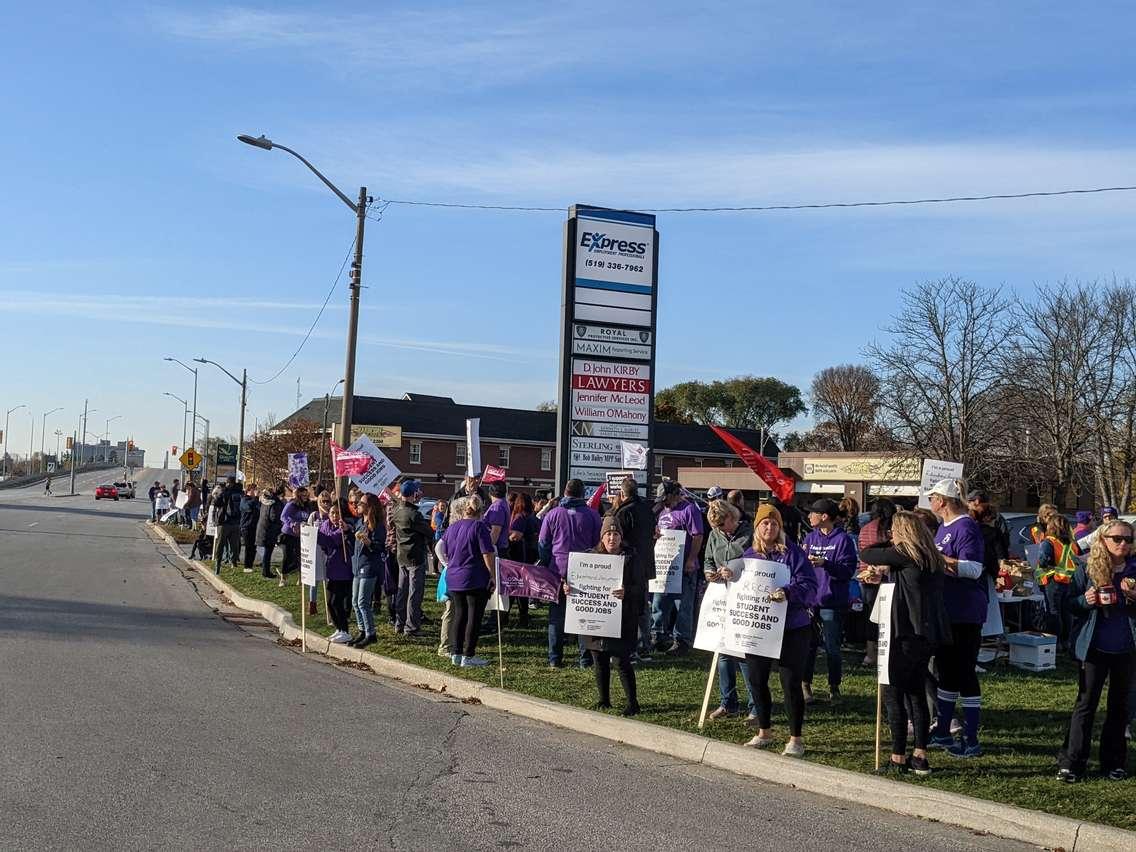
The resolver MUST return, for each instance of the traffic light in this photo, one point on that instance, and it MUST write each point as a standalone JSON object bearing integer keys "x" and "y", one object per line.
{"x": 130, "y": 444}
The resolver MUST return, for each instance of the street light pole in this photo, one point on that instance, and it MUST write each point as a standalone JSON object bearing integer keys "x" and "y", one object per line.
{"x": 323, "y": 434}
{"x": 243, "y": 382}
{"x": 106, "y": 447}
{"x": 359, "y": 208}
{"x": 42, "y": 435}
{"x": 184, "y": 414}
{"x": 6, "y": 418}
{"x": 193, "y": 426}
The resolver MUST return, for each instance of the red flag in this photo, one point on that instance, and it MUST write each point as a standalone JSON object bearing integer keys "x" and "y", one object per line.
{"x": 348, "y": 462}
{"x": 779, "y": 483}
{"x": 594, "y": 502}
{"x": 494, "y": 474}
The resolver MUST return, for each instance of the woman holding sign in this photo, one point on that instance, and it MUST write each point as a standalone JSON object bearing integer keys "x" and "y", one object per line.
{"x": 334, "y": 534}
{"x": 1102, "y": 600}
{"x": 632, "y": 592}
{"x": 769, "y": 543}
{"x": 960, "y": 541}
{"x": 919, "y": 626}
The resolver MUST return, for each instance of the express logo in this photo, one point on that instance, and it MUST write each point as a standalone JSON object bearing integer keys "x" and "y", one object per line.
{"x": 602, "y": 242}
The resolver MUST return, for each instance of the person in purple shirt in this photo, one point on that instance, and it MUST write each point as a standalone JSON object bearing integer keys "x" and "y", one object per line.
{"x": 833, "y": 556}
{"x": 672, "y": 616}
{"x": 1102, "y": 600}
{"x": 335, "y": 537}
{"x": 571, "y": 526}
{"x": 498, "y": 517}
{"x": 769, "y": 543}
{"x": 959, "y": 539}
{"x": 470, "y": 564}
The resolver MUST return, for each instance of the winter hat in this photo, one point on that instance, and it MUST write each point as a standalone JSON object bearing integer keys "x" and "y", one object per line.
{"x": 767, "y": 511}
{"x": 610, "y": 523}
{"x": 1084, "y": 517}
{"x": 1109, "y": 510}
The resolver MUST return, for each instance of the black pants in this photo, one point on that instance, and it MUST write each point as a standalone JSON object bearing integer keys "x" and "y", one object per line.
{"x": 956, "y": 661}
{"x": 468, "y": 608}
{"x": 266, "y": 561}
{"x": 795, "y": 646}
{"x": 602, "y": 660}
{"x": 230, "y": 544}
{"x": 1095, "y": 670}
{"x": 248, "y": 542}
{"x": 291, "y": 554}
{"x": 907, "y": 671}
{"x": 339, "y": 602}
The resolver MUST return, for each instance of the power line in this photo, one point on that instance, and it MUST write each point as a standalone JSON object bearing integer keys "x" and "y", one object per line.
{"x": 334, "y": 283}
{"x": 771, "y": 207}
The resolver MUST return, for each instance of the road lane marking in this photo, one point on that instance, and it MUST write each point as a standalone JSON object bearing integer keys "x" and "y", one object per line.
{"x": 36, "y": 524}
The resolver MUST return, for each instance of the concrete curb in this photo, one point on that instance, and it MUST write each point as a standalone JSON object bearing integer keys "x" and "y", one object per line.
{"x": 1037, "y": 827}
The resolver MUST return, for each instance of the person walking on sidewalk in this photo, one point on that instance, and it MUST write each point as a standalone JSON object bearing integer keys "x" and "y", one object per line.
{"x": 414, "y": 536}
{"x": 334, "y": 534}
{"x": 602, "y": 649}
{"x": 833, "y": 556}
{"x": 770, "y": 543}
{"x": 47, "y": 486}
{"x": 470, "y": 569}
{"x": 368, "y": 566}
{"x": 1102, "y": 600}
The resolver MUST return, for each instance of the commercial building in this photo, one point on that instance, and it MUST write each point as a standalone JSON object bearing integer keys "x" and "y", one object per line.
{"x": 424, "y": 436}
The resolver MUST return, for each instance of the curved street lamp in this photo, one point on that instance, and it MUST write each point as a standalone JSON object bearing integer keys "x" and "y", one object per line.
{"x": 193, "y": 426}
{"x": 243, "y": 382}
{"x": 42, "y": 433}
{"x": 6, "y": 417}
{"x": 359, "y": 208}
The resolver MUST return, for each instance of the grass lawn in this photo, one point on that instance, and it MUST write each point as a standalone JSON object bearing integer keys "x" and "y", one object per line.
{"x": 1023, "y": 722}
{"x": 179, "y": 534}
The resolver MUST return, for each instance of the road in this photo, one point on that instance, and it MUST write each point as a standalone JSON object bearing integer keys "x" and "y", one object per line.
{"x": 133, "y": 715}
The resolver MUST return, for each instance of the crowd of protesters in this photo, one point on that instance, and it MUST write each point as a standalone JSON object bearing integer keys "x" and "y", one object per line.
{"x": 942, "y": 565}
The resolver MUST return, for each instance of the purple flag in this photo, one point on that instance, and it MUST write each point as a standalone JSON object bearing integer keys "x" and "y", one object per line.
{"x": 520, "y": 580}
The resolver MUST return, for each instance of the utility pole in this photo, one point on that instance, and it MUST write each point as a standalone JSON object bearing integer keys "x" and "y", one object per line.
{"x": 347, "y": 411}
{"x": 75, "y": 446}
{"x": 31, "y": 440}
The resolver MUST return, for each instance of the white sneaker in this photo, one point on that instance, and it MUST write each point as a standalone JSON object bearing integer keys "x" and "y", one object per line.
{"x": 794, "y": 749}
{"x": 473, "y": 662}
{"x": 339, "y": 637}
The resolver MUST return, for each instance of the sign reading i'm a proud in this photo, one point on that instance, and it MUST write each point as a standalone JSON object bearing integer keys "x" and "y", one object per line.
{"x": 607, "y": 342}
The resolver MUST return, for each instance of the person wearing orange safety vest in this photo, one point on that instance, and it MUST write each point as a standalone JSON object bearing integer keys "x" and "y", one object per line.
{"x": 1055, "y": 569}
{"x": 1037, "y": 531}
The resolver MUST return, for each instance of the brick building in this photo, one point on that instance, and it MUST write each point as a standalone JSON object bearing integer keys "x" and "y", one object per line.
{"x": 426, "y": 440}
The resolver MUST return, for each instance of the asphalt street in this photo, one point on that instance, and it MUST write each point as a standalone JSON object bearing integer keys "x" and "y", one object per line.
{"x": 134, "y": 716}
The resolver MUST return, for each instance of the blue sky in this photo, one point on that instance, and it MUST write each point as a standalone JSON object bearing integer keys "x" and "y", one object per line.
{"x": 135, "y": 226}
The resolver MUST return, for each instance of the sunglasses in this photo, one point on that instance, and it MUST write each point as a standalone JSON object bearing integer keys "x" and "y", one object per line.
{"x": 1120, "y": 539}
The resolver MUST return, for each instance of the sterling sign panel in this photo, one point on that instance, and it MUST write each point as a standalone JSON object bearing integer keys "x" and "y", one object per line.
{"x": 607, "y": 351}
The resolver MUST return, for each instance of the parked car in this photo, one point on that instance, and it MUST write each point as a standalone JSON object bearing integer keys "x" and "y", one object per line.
{"x": 125, "y": 489}
{"x": 108, "y": 491}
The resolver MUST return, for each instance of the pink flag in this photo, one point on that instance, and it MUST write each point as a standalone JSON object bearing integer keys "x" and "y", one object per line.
{"x": 494, "y": 474}
{"x": 594, "y": 502}
{"x": 348, "y": 462}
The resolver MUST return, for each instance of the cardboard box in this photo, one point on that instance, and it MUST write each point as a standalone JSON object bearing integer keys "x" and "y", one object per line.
{"x": 1033, "y": 651}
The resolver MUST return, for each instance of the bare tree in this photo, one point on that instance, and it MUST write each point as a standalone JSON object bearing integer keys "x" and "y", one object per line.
{"x": 941, "y": 372}
{"x": 846, "y": 398}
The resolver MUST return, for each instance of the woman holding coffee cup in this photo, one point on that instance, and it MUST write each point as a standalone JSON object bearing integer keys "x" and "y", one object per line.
{"x": 1102, "y": 602}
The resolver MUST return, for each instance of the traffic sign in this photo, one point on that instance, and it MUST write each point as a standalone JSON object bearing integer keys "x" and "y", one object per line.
{"x": 190, "y": 459}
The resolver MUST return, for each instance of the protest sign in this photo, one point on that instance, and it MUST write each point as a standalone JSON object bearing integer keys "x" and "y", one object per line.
{"x": 348, "y": 462}
{"x": 182, "y": 500}
{"x": 711, "y": 632}
{"x": 494, "y": 474}
{"x": 498, "y": 598}
{"x": 211, "y": 521}
{"x": 313, "y": 560}
{"x": 298, "y": 470}
{"x": 473, "y": 446}
{"x": 634, "y": 455}
{"x": 169, "y": 516}
{"x": 754, "y": 623}
{"x": 591, "y": 609}
{"x": 380, "y": 473}
{"x": 520, "y": 580}
{"x": 668, "y": 563}
{"x": 933, "y": 471}
{"x": 883, "y": 610}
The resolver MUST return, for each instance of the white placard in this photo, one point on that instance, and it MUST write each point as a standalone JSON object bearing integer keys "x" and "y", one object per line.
{"x": 590, "y": 608}
{"x": 498, "y": 602}
{"x": 669, "y": 547}
{"x": 313, "y": 561}
{"x": 754, "y": 623}
{"x": 473, "y": 446}
{"x": 182, "y": 500}
{"x": 169, "y": 516}
{"x": 211, "y": 521}
{"x": 382, "y": 471}
{"x": 883, "y": 610}
{"x": 933, "y": 471}
{"x": 711, "y": 632}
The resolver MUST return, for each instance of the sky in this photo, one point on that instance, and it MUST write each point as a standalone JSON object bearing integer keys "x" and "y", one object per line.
{"x": 134, "y": 225}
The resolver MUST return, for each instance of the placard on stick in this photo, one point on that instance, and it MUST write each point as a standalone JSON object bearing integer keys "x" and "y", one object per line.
{"x": 754, "y": 623}
{"x": 591, "y": 609}
{"x": 668, "y": 563}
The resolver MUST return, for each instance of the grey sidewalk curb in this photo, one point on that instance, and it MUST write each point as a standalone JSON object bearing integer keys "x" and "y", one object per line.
{"x": 978, "y": 815}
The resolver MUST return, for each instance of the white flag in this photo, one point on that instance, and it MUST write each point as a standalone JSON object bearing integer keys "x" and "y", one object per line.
{"x": 634, "y": 455}
{"x": 473, "y": 446}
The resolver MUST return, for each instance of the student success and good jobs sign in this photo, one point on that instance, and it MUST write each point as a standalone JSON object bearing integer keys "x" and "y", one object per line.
{"x": 607, "y": 342}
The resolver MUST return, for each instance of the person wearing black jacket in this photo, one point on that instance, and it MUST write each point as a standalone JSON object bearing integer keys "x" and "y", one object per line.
{"x": 632, "y": 592}
{"x": 637, "y": 523}
{"x": 250, "y": 514}
{"x": 414, "y": 536}
{"x": 268, "y": 527}
{"x": 919, "y": 625}
{"x": 229, "y": 520}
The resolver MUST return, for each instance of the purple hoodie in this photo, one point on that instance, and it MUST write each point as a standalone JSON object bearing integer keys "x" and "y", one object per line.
{"x": 801, "y": 593}
{"x": 571, "y": 526}
{"x": 291, "y": 518}
{"x": 839, "y": 565}
{"x": 335, "y": 544}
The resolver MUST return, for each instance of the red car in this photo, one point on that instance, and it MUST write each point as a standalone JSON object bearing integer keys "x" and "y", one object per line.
{"x": 108, "y": 491}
